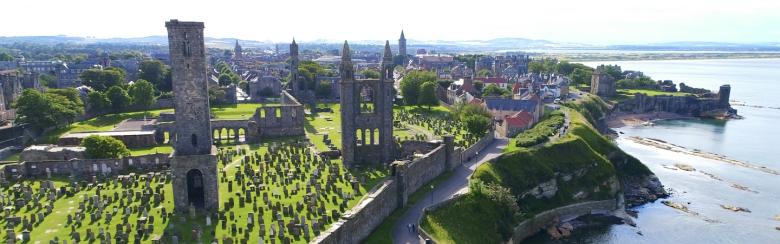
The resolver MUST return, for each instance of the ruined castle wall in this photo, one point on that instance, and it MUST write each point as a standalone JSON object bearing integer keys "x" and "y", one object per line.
{"x": 687, "y": 105}
{"x": 88, "y": 167}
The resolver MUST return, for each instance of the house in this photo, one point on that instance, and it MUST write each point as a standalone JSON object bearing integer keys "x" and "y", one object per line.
{"x": 516, "y": 123}
{"x": 499, "y": 81}
{"x": 502, "y": 107}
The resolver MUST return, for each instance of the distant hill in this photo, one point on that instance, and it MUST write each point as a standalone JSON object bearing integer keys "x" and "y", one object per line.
{"x": 492, "y": 45}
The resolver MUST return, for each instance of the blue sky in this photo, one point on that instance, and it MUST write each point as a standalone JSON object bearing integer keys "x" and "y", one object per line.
{"x": 592, "y": 22}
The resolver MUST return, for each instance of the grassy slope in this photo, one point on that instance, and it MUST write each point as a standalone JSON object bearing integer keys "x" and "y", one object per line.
{"x": 469, "y": 219}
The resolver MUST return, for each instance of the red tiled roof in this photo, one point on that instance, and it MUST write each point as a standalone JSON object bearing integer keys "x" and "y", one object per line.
{"x": 516, "y": 88}
{"x": 520, "y": 119}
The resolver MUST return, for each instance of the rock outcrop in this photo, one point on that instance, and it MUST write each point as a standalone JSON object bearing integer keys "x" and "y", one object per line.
{"x": 686, "y": 105}
{"x": 639, "y": 190}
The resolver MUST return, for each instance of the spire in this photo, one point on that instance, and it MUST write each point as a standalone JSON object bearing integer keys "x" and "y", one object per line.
{"x": 294, "y": 41}
{"x": 388, "y": 54}
{"x": 346, "y": 54}
{"x": 402, "y": 35}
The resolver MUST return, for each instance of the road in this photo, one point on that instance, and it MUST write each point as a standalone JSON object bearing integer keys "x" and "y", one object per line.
{"x": 457, "y": 183}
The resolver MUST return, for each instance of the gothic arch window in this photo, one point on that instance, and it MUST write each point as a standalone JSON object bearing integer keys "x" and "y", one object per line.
{"x": 367, "y": 97}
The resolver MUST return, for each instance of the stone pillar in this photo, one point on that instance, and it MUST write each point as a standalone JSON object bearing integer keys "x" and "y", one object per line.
{"x": 399, "y": 168}
{"x": 450, "y": 161}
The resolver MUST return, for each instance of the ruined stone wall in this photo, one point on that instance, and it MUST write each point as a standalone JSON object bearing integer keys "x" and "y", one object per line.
{"x": 422, "y": 170}
{"x": 686, "y": 105}
{"x": 87, "y": 167}
{"x": 533, "y": 225}
{"x": 361, "y": 220}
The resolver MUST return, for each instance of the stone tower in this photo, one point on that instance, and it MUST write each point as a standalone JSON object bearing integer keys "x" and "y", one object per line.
{"x": 402, "y": 48}
{"x": 601, "y": 84}
{"x": 194, "y": 161}
{"x": 367, "y": 113}
{"x": 295, "y": 84}
{"x": 239, "y": 52}
{"x": 723, "y": 95}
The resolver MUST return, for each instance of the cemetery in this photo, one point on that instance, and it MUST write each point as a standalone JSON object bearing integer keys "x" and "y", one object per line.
{"x": 248, "y": 173}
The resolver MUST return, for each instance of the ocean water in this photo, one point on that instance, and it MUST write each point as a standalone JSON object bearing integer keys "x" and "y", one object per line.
{"x": 754, "y": 140}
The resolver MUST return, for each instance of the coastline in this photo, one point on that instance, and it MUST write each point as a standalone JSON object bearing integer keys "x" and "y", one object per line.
{"x": 618, "y": 120}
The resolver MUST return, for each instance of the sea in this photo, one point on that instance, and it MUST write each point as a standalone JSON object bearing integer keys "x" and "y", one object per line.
{"x": 754, "y": 140}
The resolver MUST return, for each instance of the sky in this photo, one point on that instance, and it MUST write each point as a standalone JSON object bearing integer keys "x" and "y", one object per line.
{"x": 589, "y": 22}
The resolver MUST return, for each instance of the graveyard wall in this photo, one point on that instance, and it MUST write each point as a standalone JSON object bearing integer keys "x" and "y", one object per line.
{"x": 472, "y": 151}
{"x": 424, "y": 169}
{"x": 88, "y": 167}
{"x": 361, "y": 220}
{"x": 540, "y": 221}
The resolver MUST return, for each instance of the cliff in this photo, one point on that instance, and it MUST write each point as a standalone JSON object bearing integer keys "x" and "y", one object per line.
{"x": 581, "y": 168}
{"x": 686, "y": 105}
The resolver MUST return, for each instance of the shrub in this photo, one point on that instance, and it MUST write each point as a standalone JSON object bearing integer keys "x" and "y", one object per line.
{"x": 541, "y": 131}
{"x": 104, "y": 147}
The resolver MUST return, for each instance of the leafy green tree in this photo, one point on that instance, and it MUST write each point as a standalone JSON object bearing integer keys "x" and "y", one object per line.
{"x": 6, "y": 57}
{"x": 484, "y": 73}
{"x": 581, "y": 76}
{"x": 47, "y": 80}
{"x": 119, "y": 98}
{"x": 410, "y": 85}
{"x": 428, "y": 95}
{"x": 101, "y": 79}
{"x": 494, "y": 90}
{"x": 564, "y": 68}
{"x": 71, "y": 94}
{"x": 100, "y": 147}
{"x": 324, "y": 90}
{"x": 98, "y": 102}
{"x": 476, "y": 124}
{"x": 142, "y": 94}
{"x": 216, "y": 95}
{"x": 244, "y": 85}
{"x": 43, "y": 110}
{"x": 370, "y": 74}
{"x": 225, "y": 79}
{"x": 157, "y": 73}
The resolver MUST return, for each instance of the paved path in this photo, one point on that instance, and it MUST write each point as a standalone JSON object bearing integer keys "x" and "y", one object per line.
{"x": 458, "y": 182}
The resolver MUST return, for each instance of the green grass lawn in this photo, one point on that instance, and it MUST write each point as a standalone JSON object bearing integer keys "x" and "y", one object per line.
{"x": 652, "y": 92}
{"x": 237, "y": 111}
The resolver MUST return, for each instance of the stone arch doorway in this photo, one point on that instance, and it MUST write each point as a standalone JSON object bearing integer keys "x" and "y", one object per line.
{"x": 195, "y": 192}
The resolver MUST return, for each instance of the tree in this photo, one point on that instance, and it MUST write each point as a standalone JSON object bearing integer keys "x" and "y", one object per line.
{"x": 119, "y": 98}
{"x": 43, "y": 110}
{"x": 410, "y": 85}
{"x": 564, "y": 68}
{"x": 47, "y": 80}
{"x": 100, "y": 147}
{"x": 476, "y": 124}
{"x": 244, "y": 85}
{"x": 101, "y": 79}
{"x": 484, "y": 73}
{"x": 225, "y": 79}
{"x": 324, "y": 90}
{"x": 370, "y": 74}
{"x": 6, "y": 57}
{"x": 157, "y": 73}
{"x": 428, "y": 94}
{"x": 142, "y": 94}
{"x": 71, "y": 94}
{"x": 216, "y": 95}
{"x": 612, "y": 70}
{"x": 581, "y": 76}
{"x": 494, "y": 90}
{"x": 98, "y": 102}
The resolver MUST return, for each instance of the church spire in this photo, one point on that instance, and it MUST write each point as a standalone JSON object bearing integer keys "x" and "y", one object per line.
{"x": 388, "y": 54}
{"x": 346, "y": 69}
{"x": 402, "y": 35}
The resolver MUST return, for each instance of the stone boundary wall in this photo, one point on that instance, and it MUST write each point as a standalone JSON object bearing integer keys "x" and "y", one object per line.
{"x": 472, "y": 151}
{"x": 422, "y": 170}
{"x": 389, "y": 195}
{"x": 363, "y": 218}
{"x": 540, "y": 221}
{"x": 87, "y": 167}
{"x": 8, "y": 151}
